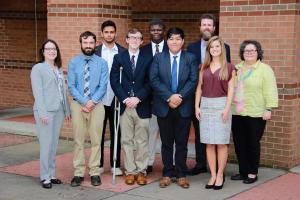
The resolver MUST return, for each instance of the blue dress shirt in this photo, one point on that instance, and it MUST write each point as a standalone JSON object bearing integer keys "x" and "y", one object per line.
{"x": 98, "y": 78}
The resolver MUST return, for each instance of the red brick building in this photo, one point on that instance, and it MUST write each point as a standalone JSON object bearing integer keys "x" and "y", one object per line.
{"x": 275, "y": 23}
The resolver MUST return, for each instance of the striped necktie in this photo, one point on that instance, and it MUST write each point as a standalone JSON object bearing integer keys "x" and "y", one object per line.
{"x": 132, "y": 64}
{"x": 86, "y": 90}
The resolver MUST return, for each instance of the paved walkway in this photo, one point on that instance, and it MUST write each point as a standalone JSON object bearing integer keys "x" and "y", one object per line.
{"x": 19, "y": 169}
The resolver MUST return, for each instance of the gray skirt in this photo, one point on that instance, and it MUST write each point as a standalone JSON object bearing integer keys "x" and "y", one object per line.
{"x": 212, "y": 128}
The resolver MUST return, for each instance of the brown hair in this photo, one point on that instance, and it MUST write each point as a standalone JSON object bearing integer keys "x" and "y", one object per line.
{"x": 208, "y": 58}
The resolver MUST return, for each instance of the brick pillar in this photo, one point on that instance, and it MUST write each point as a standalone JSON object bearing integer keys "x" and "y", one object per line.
{"x": 276, "y": 24}
{"x": 67, "y": 19}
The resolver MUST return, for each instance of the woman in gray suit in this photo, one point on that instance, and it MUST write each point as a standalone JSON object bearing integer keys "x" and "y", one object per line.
{"x": 50, "y": 108}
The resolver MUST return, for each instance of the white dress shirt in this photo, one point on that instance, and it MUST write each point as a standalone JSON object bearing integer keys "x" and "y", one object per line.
{"x": 160, "y": 47}
{"x": 108, "y": 55}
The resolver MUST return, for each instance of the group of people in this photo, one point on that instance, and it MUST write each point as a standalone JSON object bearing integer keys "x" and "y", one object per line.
{"x": 162, "y": 89}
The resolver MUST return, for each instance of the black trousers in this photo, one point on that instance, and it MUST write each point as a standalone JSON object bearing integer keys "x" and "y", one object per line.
{"x": 109, "y": 115}
{"x": 247, "y": 133}
{"x": 174, "y": 129}
{"x": 200, "y": 148}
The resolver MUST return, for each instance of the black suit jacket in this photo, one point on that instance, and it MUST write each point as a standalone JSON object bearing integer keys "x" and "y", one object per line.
{"x": 195, "y": 48}
{"x": 160, "y": 80}
{"x": 138, "y": 82}
{"x": 148, "y": 48}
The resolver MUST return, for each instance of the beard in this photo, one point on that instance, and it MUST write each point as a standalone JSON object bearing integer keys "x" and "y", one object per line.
{"x": 206, "y": 35}
{"x": 88, "y": 51}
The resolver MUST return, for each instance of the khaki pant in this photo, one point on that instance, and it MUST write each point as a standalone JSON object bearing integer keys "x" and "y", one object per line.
{"x": 134, "y": 132}
{"x": 91, "y": 123}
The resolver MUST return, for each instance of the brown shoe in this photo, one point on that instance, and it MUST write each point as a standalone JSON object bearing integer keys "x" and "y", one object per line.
{"x": 165, "y": 182}
{"x": 183, "y": 182}
{"x": 129, "y": 180}
{"x": 141, "y": 179}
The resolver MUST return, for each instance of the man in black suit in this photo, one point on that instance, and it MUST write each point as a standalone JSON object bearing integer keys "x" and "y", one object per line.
{"x": 173, "y": 77}
{"x": 207, "y": 29}
{"x": 157, "y": 44}
{"x": 107, "y": 50}
{"x": 133, "y": 93}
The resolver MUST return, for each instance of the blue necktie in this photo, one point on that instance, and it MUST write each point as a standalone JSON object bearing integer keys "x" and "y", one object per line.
{"x": 174, "y": 75}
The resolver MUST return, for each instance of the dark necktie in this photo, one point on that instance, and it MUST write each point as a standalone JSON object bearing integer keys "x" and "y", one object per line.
{"x": 132, "y": 64}
{"x": 156, "y": 48}
{"x": 174, "y": 75}
{"x": 86, "y": 89}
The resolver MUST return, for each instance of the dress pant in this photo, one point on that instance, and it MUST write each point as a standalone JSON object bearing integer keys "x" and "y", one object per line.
{"x": 174, "y": 129}
{"x": 89, "y": 123}
{"x": 48, "y": 135}
{"x": 134, "y": 137}
{"x": 109, "y": 115}
{"x": 153, "y": 139}
{"x": 247, "y": 133}
{"x": 200, "y": 148}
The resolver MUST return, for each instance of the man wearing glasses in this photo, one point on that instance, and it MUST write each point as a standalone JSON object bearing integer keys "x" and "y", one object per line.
{"x": 133, "y": 93}
{"x": 157, "y": 45}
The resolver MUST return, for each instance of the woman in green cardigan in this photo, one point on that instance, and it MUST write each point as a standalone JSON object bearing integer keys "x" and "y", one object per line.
{"x": 255, "y": 96}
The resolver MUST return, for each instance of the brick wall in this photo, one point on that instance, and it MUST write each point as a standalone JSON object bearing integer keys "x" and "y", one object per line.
{"x": 18, "y": 49}
{"x": 183, "y": 14}
{"x": 276, "y": 25}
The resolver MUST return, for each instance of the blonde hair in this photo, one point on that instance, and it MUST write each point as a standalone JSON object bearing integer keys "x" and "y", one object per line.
{"x": 208, "y": 58}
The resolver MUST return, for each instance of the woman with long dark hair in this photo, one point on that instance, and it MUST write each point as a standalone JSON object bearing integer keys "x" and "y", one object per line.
{"x": 50, "y": 108}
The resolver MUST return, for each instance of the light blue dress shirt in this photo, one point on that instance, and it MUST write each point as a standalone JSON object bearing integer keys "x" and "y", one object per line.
{"x": 98, "y": 78}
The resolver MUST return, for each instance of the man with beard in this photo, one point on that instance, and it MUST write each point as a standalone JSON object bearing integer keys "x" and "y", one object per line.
{"x": 87, "y": 80}
{"x": 107, "y": 50}
{"x": 157, "y": 45}
{"x": 207, "y": 29}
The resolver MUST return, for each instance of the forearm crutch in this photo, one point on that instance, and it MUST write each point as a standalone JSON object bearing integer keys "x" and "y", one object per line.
{"x": 116, "y": 128}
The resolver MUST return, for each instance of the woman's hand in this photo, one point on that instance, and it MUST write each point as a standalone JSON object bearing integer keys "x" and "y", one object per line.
{"x": 45, "y": 120}
{"x": 225, "y": 115}
{"x": 198, "y": 113}
{"x": 267, "y": 115}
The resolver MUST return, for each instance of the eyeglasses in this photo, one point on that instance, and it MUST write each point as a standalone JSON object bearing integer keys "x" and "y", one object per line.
{"x": 252, "y": 51}
{"x": 50, "y": 49}
{"x": 134, "y": 38}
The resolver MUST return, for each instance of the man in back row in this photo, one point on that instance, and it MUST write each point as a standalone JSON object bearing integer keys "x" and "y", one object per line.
{"x": 207, "y": 30}
{"x": 107, "y": 50}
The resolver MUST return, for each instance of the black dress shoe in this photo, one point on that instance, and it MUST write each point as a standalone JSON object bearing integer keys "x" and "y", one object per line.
{"x": 219, "y": 187}
{"x": 46, "y": 185}
{"x": 56, "y": 181}
{"x": 196, "y": 171}
{"x": 237, "y": 177}
{"x": 76, "y": 181}
{"x": 250, "y": 180}
{"x": 95, "y": 180}
{"x": 149, "y": 169}
{"x": 209, "y": 186}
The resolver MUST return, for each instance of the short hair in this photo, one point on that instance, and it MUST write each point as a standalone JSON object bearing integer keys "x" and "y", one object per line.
{"x": 260, "y": 52}
{"x": 86, "y": 34}
{"x": 175, "y": 31}
{"x": 57, "y": 60}
{"x": 134, "y": 31}
{"x": 108, "y": 23}
{"x": 157, "y": 22}
{"x": 208, "y": 16}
